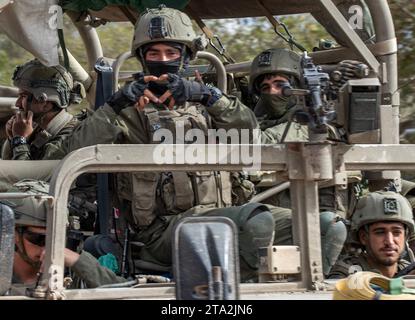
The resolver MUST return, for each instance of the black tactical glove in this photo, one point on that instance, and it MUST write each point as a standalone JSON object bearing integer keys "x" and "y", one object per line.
{"x": 129, "y": 94}
{"x": 183, "y": 90}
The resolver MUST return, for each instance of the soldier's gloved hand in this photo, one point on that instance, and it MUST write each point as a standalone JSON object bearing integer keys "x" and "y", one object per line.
{"x": 183, "y": 90}
{"x": 351, "y": 69}
{"x": 130, "y": 93}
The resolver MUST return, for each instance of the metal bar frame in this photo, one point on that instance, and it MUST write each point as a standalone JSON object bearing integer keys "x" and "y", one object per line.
{"x": 132, "y": 158}
{"x": 350, "y": 36}
{"x": 213, "y": 59}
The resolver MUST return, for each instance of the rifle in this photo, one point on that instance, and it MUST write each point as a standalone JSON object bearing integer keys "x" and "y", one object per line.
{"x": 313, "y": 107}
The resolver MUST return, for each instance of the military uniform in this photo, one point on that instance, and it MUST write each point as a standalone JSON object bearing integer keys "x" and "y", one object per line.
{"x": 154, "y": 202}
{"x": 45, "y": 84}
{"x": 379, "y": 206}
{"x": 349, "y": 264}
{"x": 31, "y": 211}
{"x": 43, "y": 144}
{"x": 273, "y": 112}
{"x": 92, "y": 273}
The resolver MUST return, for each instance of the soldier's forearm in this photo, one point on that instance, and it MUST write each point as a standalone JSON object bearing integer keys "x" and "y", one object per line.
{"x": 228, "y": 112}
{"x": 21, "y": 152}
{"x": 88, "y": 269}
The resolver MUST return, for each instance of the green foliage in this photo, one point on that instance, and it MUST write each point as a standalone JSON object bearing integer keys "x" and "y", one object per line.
{"x": 11, "y": 55}
{"x": 404, "y": 13}
{"x": 243, "y": 39}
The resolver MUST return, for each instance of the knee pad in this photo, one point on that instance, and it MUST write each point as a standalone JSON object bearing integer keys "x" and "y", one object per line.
{"x": 100, "y": 245}
{"x": 261, "y": 226}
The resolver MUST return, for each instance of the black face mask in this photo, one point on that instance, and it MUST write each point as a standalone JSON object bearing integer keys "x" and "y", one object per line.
{"x": 157, "y": 68}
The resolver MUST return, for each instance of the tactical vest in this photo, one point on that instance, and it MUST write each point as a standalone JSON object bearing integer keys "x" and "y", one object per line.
{"x": 170, "y": 193}
{"x": 54, "y": 127}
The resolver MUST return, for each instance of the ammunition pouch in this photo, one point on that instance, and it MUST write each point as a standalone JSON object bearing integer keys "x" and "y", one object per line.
{"x": 170, "y": 193}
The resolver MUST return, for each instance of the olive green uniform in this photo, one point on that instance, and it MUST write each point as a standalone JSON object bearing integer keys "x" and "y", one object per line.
{"x": 135, "y": 127}
{"x": 47, "y": 85}
{"x": 42, "y": 145}
{"x": 273, "y": 113}
{"x": 349, "y": 264}
{"x": 92, "y": 273}
{"x": 87, "y": 269}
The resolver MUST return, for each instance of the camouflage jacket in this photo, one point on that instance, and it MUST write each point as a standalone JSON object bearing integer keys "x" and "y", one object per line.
{"x": 88, "y": 269}
{"x": 44, "y": 144}
{"x": 349, "y": 264}
{"x": 272, "y": 135}
{"x": 133, "y": 127}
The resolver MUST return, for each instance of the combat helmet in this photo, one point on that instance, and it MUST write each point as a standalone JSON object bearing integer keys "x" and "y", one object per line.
{"x": 45, "y": 83}
{"x": 165, "y": 25}
{"x": 30, "y": 211}
{"x": 382, "y": 206}
{"x": 276, "y": 60}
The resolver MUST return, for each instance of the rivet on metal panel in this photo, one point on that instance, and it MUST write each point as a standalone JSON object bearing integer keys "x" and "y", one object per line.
{"x": 118, "y": 157}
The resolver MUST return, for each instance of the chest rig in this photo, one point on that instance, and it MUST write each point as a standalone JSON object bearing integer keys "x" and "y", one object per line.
{"x": 170, "y": 193}
{"x": 43, "y": 136}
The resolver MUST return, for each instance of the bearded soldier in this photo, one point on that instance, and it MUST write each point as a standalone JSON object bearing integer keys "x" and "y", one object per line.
{"x": 37, "y": 130}
{"x": 381, "y": 225}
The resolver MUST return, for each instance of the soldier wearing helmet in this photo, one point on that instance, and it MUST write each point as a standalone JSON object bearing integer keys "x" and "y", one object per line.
{"x": 161, "y": 98}
{"x": 164, "y": 43}
{"x": 30, "y": 235}
{"x": 36, "y": 131}
{"x": 381, "y": 224}
{"x": 272, "y": 71}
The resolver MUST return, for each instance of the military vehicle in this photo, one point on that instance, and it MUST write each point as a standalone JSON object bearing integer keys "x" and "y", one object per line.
{"x": 367, "y": 109}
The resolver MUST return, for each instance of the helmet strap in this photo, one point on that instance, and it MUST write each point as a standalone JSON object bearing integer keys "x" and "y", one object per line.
{"x": 182, "y": 58}
{"x": 142, "y": 60}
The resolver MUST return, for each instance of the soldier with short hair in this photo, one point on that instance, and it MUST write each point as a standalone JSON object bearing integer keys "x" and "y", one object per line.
{"x": 40, "y": 125}
{"x": 381, "y": 224}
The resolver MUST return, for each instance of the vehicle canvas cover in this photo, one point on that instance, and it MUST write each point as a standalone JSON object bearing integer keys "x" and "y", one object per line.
{"x": 28, "y": 23}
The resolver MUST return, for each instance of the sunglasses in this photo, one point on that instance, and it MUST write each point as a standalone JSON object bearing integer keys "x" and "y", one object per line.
{"x": 37, "y": 239}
